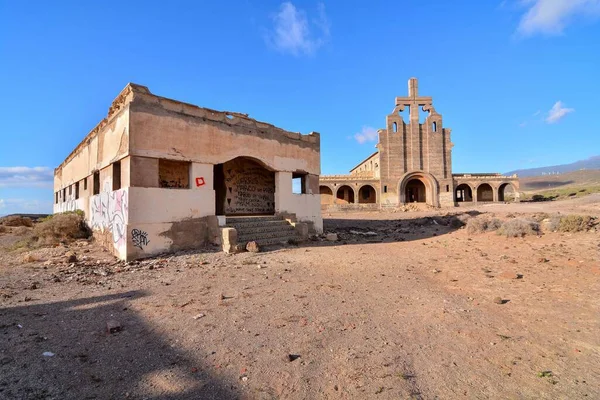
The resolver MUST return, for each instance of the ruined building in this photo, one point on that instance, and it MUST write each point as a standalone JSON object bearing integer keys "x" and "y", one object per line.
{"x": 412, "y": 164}
{"x": 160, "y": 175}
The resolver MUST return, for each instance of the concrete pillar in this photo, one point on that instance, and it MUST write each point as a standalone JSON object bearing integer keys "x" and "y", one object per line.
{"x": 202, "y": 178}
{"x": 496, "y": 194}
{"x": 229, "y": 240}
{"x": 125, "y": 173}
{"x": 283, "y": 191}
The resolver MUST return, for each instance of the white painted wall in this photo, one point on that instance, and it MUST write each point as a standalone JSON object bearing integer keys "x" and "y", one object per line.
{"x": 307, "y": 207}
{"x": 157, "y": 205}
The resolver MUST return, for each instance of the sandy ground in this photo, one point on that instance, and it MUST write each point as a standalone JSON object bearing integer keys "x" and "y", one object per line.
{"x": 407, "y": 313}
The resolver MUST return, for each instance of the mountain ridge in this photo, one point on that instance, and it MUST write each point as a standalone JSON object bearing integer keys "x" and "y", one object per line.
{"x": 589, "y": 163}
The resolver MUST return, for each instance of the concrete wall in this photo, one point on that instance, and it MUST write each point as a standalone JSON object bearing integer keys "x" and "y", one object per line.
{"x": 370, "y": 165}
{"x": 164, "y": 128}
{"x": 307, "y": 207}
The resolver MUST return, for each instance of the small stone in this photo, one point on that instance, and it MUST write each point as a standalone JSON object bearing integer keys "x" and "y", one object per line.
{"x": 498, "y": 300}
{"x": 113, "y": 326}
{"x": 510, "y": 275}
{"x": 29, "y": 258}
{"x": 5, "y": 360}
{"x": 293, "y": 357}
{"x": 70, "y": 257}
{"x": 332, "y": 237}
{"x": 199, "y": 316}
{"x": 48, "y": 354}
{"x": 34, "y": 285}
{"x": 543, "y": 260}
{"x": 253, "y": 247}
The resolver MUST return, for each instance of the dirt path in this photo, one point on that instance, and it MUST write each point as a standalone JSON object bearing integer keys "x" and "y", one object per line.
{"x": 407, "y": 313}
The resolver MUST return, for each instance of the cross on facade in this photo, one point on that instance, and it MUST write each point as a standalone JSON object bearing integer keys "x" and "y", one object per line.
{"x": 413, "y": 100}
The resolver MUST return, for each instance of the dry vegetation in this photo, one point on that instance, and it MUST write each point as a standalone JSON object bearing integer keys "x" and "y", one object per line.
{"x": 52, "y": 230}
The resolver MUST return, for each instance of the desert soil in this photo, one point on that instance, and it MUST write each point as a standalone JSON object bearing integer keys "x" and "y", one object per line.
{"x": 411, "y": 312}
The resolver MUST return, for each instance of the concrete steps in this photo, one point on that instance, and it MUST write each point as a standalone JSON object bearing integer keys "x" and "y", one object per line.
{"x": 264, "y": 230}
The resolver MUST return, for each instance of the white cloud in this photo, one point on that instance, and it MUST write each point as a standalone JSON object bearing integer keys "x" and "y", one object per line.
{"x": 551, "y": 17}
{"x": 26, "y": 177}
{"x": 367, "y": 134}
{"x": 293, "y": 33}
{"x": 557, "y": 112}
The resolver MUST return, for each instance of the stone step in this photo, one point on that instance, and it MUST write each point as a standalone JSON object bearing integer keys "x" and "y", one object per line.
{"x": 258, "y": 224}
{"x": 243, "y": 230}
{"x": 248, "y": 237}
{"x": 269, "y": 242}
{"x": 248, "y": 219}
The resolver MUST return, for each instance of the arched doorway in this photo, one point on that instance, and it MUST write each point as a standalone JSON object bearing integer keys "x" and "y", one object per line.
{"x": 367, "y": 195}
{"x": 345, "y": 195}
{"x": 326, "y": 195}
{"x": 506, "y": 192}
{"x": 419, "y": 187}
{"x": 415, "y": 191}
{"x": 463, "y": 193}
{"x": 244, "y": 186}
{"x": 485, "y": 192}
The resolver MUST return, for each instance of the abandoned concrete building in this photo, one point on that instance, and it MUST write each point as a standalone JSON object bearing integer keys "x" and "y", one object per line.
{"x": 159, "y": 175}
{"x": 412, "y": 164}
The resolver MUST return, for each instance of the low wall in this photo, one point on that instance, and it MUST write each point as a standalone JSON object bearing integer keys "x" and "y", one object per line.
{"x": 350, "y": 207}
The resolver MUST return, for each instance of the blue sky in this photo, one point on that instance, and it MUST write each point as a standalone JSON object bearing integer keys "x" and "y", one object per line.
{"x": 517, "y": 81}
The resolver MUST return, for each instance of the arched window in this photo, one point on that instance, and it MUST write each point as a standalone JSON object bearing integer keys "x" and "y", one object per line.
{"x": 434, "y": 126}
{"x": 395, "y": 127}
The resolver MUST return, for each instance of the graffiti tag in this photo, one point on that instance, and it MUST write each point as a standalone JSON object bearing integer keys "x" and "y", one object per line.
{"x": 200, "y": 181}
{"x": 139, "y": 238}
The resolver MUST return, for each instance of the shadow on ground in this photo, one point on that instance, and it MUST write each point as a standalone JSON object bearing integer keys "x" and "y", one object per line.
{"x": 393, "y": 230}
{"x": 137, "y": 362}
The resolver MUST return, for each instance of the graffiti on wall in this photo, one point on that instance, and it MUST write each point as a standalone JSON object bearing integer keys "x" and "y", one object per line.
{"x": 200, "y": 181}
{"x": 139, "y": 238}
{"x": 108, "y": 211}
{"x": 250, "y": 188}
{"x": 69, "y": 205}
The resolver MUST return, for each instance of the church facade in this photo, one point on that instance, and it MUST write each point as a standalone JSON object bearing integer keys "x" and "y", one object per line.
{"x": 413, "y": 164}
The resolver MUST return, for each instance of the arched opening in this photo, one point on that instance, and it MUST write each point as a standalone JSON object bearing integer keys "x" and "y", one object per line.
{"x": 244, "y": 186}
{"x": 434, "y": 126}
{"x": 415, "y": 191}
{"x": 395, "y": 127}
{"x": 419, "y": 187}
{"x": 367, "y": 195}
{"x": 463, "y": 193}
{"x": 485, "y": 192}
{"x": 506, "y": 192}
{"x": 326, "y": 195}
{"x": 345, "y": 195}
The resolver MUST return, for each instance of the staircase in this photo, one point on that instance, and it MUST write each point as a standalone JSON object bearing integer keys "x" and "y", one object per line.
{"x": 264, "y": 230}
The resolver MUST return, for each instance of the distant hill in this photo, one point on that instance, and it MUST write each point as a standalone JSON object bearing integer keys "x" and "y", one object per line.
{"x": 590, "y": 163}
{"x": 575, "y": 179}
